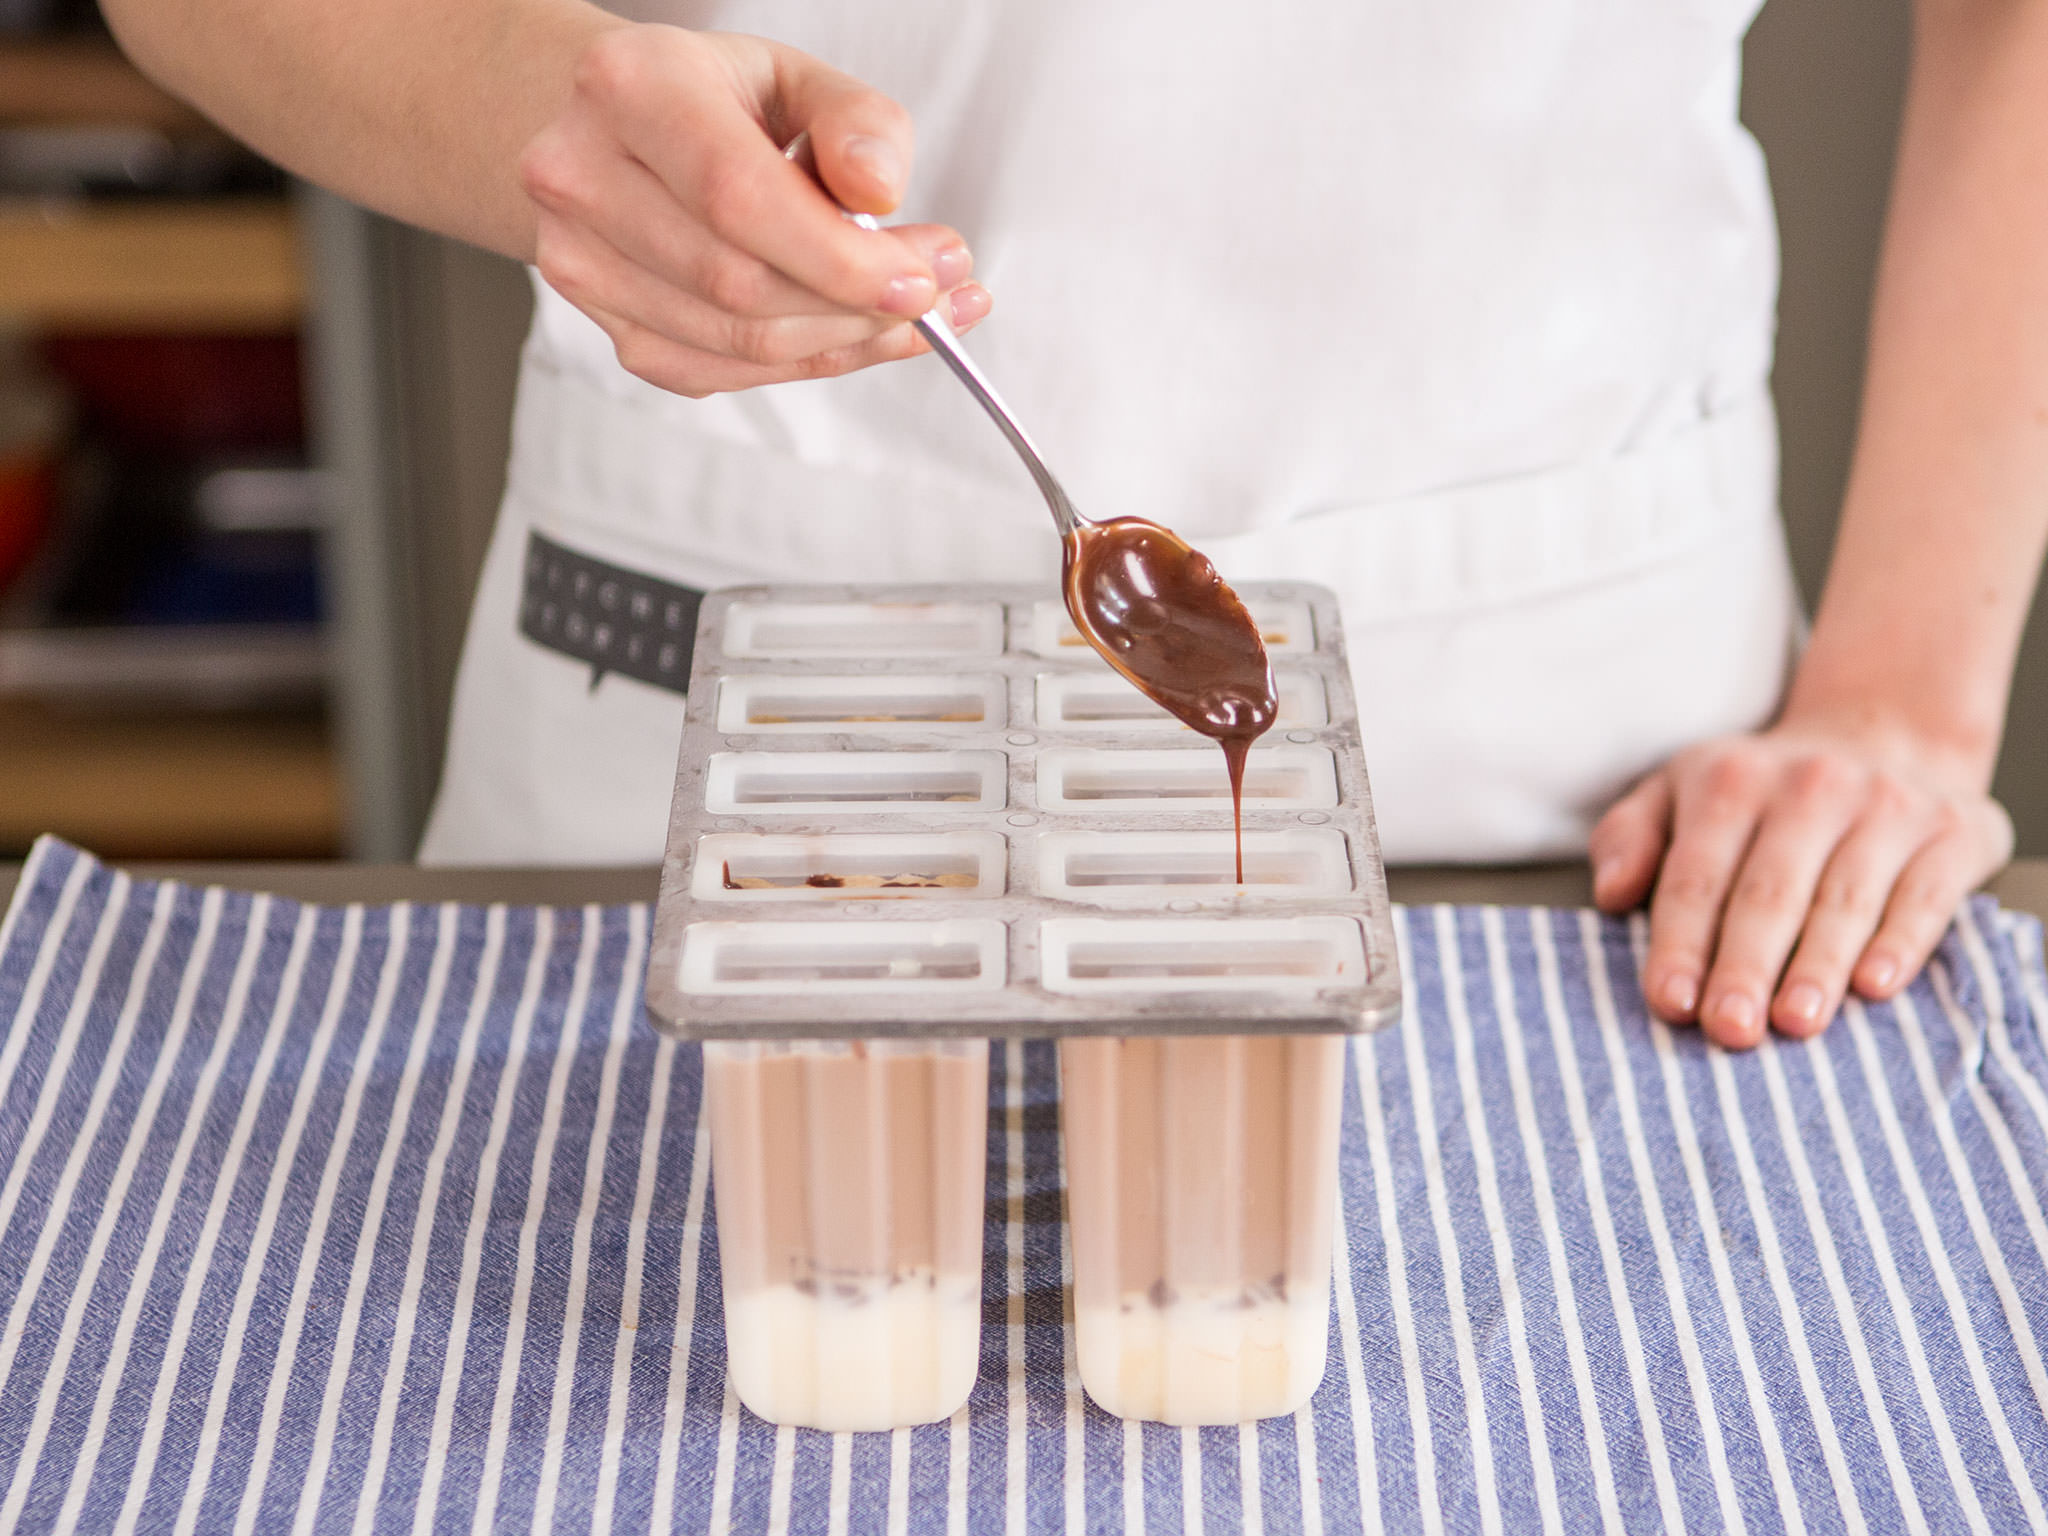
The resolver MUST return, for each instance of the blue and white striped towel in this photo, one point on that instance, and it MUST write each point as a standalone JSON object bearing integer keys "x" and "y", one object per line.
{"x": 379, "y": 1219}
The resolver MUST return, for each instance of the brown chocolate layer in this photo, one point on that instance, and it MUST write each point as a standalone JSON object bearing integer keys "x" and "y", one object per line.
{"x": 1200, "y": 1166}
{"x": 838, "y": 1168}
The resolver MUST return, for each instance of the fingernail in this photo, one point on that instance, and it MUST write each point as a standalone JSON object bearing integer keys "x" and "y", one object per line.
{"x": 1803, "y": 1002}
{"x": 1880, "y": 971}
{"x": 1733, "y": 1011}
{"x": 952, "y": 265}
{"x": 877, "y": 159}
{"x": 908, "y": 297}
{"x": 970, "y": 304}
{"x": 1604, "y": 872}
{"x": 1680, "y": 993}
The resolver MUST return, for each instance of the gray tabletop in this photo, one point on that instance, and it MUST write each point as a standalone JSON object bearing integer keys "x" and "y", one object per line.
{"x": 2024, "y": 886}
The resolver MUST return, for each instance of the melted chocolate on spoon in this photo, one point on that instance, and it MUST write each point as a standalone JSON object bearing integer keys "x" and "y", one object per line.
{"x": 1162, "y": 616}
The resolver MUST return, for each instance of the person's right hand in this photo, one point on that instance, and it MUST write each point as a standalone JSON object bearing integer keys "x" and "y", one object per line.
{"x": 668, "y": 214}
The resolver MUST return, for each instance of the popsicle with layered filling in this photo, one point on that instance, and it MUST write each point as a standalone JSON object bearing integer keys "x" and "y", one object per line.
{"x": 1201, "y": 1178}
{"x": 848, "y": 1186}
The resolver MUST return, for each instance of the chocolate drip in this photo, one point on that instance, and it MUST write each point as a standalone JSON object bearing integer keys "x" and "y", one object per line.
{"x": 1157, "y": 610}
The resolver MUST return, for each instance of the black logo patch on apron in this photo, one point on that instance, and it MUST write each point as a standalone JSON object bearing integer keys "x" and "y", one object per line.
{"x": 608, "y": 617}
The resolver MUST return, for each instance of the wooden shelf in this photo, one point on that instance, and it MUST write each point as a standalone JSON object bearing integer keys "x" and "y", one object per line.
{"x": 208, "y": 665}
{"x": 132, "y": 773}
{"x": 231, "y": 265}
{"x": 169, "y": 786}
{"x": 83, "y": 80}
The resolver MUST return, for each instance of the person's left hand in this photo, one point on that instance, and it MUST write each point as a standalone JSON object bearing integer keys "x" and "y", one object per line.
{"x": 1791, "y": 864}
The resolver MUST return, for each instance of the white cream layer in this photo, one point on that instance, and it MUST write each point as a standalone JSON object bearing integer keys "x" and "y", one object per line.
{"x": 892, "y": 1355}
{"x": 1203, "y": 1359}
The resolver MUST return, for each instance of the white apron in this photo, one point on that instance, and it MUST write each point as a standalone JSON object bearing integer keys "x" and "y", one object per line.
{"x": 1463, "y": 310}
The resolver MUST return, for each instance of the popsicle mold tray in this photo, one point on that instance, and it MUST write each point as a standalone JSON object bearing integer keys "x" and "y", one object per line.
{"x": 932, "y": 812}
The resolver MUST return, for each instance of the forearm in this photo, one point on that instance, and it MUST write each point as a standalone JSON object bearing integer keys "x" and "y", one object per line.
{"x": 1947, "y": 508}
{"x": 418, "y": 110}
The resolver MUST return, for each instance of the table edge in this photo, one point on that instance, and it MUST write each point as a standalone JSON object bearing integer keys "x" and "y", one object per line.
{"x": 2023, "y": 886}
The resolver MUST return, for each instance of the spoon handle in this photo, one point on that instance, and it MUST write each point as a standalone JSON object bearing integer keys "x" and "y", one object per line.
{"x": 933, "y": 327}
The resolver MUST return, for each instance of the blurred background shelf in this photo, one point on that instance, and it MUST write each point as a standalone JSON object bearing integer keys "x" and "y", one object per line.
{"x": 166, "y": 640}
{"x": 170, "y": 784}
{"x": 230, "y": 265}
{"x": 81, "y": 77}
{"x": 214, "y": 667}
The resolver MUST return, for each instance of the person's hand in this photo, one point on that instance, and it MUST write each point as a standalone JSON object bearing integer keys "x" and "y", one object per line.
{"x": 1790, "y": 865}
{"x": 668, "y": 214}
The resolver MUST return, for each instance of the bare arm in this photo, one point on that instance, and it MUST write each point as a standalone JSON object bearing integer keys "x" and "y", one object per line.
{"x": 418, "y": 110}
{"x": 1832, "y": 850}
{"x": 1947, "y": 511}
{"x": 636, "y": 165}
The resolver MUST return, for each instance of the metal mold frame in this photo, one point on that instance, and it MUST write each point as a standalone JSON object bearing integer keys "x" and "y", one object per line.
{"x": 1022, "y": 1007}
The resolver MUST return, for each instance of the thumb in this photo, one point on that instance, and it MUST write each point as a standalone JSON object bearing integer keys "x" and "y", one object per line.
{"x": 1628, "y": 844}
{"x": 862, "y": 139}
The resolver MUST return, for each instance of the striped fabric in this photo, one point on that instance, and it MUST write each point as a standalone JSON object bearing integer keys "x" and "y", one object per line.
{"x": 380, "y": 1219}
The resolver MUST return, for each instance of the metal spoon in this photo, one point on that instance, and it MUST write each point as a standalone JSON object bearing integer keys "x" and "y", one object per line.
{"x": 1150, "y": 604}
{"x": 933, "y": 327}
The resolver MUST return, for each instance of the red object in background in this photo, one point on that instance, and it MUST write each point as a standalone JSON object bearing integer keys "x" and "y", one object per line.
{"x": 184, "y": 395}
{"x": 28, "y": 502}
